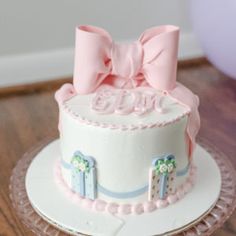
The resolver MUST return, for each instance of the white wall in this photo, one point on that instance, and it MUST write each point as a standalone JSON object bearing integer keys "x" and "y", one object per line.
{"x": 34, "y": 32}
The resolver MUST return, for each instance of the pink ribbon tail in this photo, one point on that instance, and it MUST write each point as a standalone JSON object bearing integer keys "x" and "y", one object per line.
{"x": 190, "y": 100}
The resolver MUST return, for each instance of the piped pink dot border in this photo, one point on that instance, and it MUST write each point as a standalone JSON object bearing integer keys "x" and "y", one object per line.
{"x": 123, "y": 127}
{"x": 125, "y": 209}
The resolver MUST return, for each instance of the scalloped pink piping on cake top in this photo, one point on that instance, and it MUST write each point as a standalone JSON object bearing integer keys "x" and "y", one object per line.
{"x": 125, "y": 209}
{"x": 118, "y": 126}
{"x": 67, "y": 91}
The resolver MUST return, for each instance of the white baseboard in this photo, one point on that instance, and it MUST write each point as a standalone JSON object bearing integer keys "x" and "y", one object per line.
{"x": 49, "y": 65}
{"x": 35, "y": 67}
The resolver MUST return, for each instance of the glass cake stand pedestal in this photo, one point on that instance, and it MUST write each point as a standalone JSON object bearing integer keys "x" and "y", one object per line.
{"x": 206, "y": 225}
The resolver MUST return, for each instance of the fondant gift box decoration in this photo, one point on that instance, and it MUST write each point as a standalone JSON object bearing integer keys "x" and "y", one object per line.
{"x": 161, "y": 177}
{"x": 83, "y": 174}
{"x": 127, "y": 111}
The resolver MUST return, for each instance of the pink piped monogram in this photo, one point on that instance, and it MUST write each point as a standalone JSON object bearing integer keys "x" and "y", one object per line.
{"x": 123, "y": 102}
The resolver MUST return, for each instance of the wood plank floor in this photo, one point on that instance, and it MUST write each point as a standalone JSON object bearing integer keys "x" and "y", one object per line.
{"x": 28, "y": 116}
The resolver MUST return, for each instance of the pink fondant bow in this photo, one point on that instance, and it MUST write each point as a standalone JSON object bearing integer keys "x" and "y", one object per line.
{"x": 150, "y": 60}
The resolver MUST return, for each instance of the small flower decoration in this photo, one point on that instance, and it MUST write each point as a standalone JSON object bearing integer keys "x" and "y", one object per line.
{"x": 165, "y": 167}
{"x": 75, "y": 163}
{"x": 80, "y": 164}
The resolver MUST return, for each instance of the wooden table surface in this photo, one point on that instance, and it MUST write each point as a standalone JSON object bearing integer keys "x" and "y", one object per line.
{"x": 29, "y": 115}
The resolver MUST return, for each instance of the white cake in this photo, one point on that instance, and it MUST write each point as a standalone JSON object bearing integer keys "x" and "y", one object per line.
{"x": 127, "y": 149}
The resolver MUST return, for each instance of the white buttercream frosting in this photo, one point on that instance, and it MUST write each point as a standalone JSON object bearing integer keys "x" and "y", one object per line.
{"x": 123, "y": 156}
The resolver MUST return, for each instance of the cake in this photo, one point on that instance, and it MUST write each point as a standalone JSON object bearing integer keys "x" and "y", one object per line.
{"x": 127, "y": 128}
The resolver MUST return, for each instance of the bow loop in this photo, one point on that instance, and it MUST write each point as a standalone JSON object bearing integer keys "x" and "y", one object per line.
{"x": 92, "y": 49}
{"x": 160, "y": 46}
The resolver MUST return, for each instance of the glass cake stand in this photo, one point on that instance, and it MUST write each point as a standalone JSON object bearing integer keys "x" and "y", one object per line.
{"x": 214, "y": 219}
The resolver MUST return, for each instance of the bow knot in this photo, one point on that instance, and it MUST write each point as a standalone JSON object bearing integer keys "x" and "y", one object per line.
{"x": 126, "y": 59}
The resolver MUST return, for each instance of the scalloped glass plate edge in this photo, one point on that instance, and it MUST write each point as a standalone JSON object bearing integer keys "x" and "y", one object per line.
{"x": 206, "y": 225}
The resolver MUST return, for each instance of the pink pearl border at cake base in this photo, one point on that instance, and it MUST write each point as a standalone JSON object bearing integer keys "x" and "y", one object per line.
{"x": 125, "y": 209}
